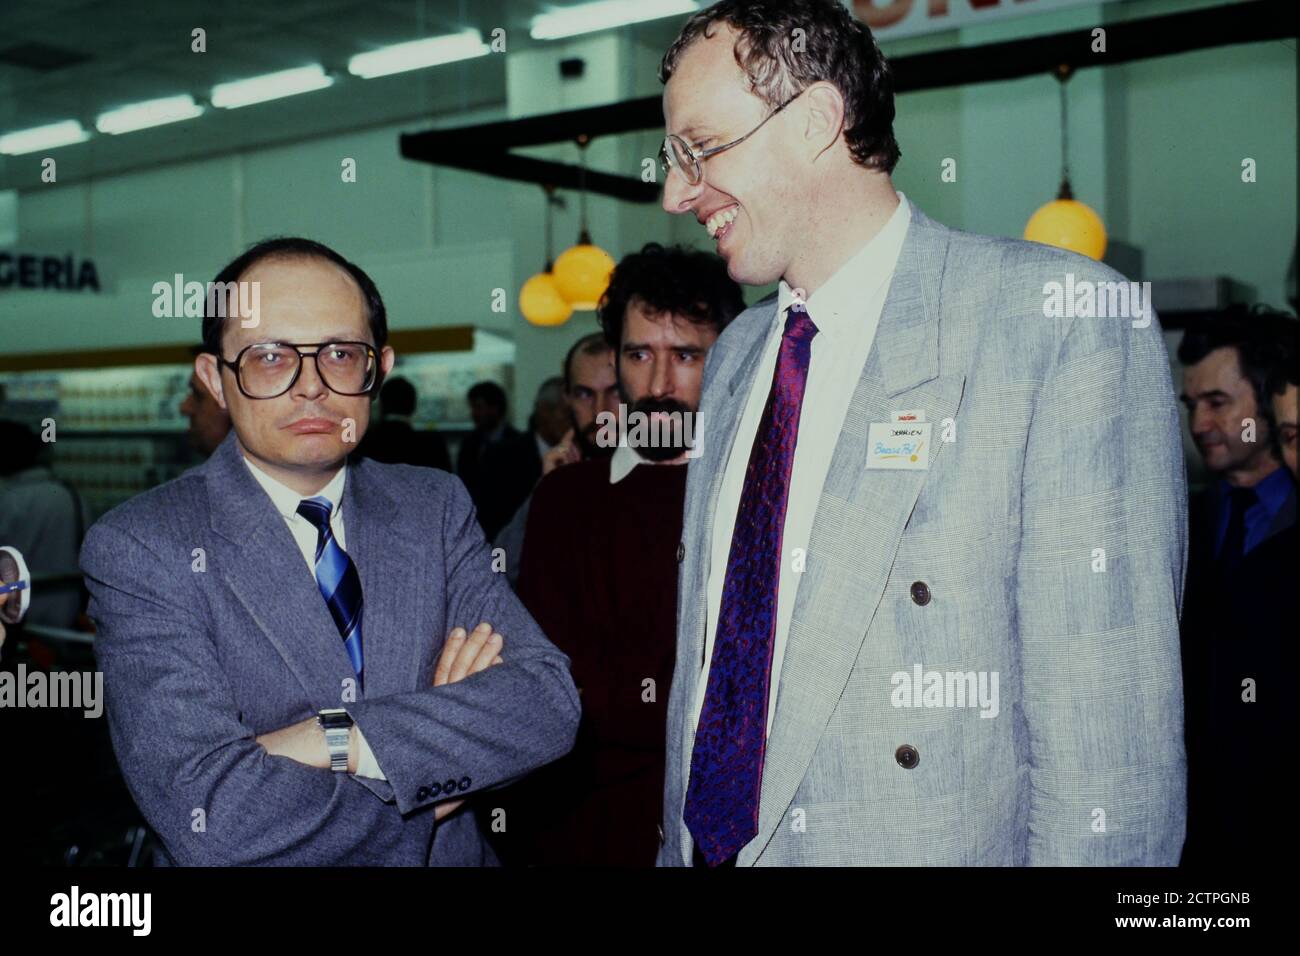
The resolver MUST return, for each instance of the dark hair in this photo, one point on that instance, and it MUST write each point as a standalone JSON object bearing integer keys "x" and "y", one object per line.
{"x": 1263, "y": 338}
{"x": 1286, "y": 371}
{"x": 672, "y": 280}
{"x": 398, "y": 397}
{"x": 836, "y": 47}
{"x": 593, "y": 344}
{"x": 550, "y": 392}
{"x": 293, "y": 247}
{"x": 21, "y": 447}
{"x": 489, "y": 393}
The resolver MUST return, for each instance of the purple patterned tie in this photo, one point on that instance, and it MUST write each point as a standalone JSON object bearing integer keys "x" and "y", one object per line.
{"x": 727, "y": 761}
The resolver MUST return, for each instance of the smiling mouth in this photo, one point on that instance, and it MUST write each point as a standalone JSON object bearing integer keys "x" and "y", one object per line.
{"x": 719, "y": 224}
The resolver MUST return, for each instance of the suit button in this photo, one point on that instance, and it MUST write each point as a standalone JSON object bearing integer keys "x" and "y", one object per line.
{"x": 464, "y": 784}
{"x": 435, "y": 789}
{"x": 907, "y": 757}
{"x": 449, "y": 786}
{"x": 921, "y": 593}
{"x": 681, "y": 551}
{"x": 422, "y": 794}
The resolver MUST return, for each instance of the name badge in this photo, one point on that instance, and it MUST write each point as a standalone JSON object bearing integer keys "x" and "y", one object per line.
{"x": 904, "y": 445}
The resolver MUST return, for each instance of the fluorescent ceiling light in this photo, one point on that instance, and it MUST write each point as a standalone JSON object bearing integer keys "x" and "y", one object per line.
{"x": 270, "y": 86}
{"x": 603, "y": 14}
{"x": 418, "y": 54}
{"x": 127, "y": 119}
{"x": 43, "y": 137}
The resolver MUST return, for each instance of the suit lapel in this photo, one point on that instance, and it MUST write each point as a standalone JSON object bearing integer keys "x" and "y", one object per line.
{"x": 389, "y": 563}
{"x": 859, "y": 523}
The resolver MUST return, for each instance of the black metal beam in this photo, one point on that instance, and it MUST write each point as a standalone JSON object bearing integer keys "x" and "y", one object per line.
{"x": 485, "y": 147}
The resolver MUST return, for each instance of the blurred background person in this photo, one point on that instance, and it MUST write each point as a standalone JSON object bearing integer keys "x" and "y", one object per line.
{"x": 590, "y": 387}
{"x": 1240, "y": 604}
{"x": 394, "y": 440}
{"x": 208, "y": 423}
{"x": 487, "y": 408}
{"x": 43, "y": 518}
{"x": 613, "y": 525}
{"x": 512, "y": 467}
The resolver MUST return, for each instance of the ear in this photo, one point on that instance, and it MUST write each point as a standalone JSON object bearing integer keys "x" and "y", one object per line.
{"x": 209, "y": 373}
{"x": 386, "y": 359}
{"x": 825, "y": 117}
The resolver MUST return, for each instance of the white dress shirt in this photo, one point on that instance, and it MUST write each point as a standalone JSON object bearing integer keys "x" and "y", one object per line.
{"x": 305, "y": 535}
{"x": 846, "y": 311}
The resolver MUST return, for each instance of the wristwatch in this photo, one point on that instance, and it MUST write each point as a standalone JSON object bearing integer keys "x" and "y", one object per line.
{"x": 337, "y": 725}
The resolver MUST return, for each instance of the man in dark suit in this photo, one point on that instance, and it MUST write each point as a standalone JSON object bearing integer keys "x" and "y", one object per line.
{"x": 511, "y": 467}
{"x": 394, "y": 441}
{"x": 1239, "y": 619}
{"x": 487, "y": 408}
{"x": 273, "y": 626}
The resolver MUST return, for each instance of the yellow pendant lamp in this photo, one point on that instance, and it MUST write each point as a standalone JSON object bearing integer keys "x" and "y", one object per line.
{"x": 582, "y": 271}
{"x": 1065, "y": 222}
{"x": 540, "y": 299}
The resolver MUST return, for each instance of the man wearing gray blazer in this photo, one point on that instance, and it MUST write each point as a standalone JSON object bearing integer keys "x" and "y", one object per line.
{"x": 935, "y": 540}
{"x": 271, "y": 624}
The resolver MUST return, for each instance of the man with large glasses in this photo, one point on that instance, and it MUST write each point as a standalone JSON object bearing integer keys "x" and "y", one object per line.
{"x": 284, "y": 635}
{"x": 933, "y": 547}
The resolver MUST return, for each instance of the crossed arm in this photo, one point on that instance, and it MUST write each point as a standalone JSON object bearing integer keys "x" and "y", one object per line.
{"x": 462, "y": 655}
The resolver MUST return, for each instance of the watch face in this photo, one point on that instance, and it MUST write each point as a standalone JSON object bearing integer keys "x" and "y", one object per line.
{"x": 335, "y": 720}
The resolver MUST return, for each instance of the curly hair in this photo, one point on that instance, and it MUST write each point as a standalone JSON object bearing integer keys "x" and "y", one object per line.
{"x": 831, "y": 45}
{"x": 672, "y": 280}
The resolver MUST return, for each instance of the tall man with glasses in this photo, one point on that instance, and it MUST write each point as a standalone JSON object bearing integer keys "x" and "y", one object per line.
{"x": 933, "y": 547}
{"x": 283, "y": 635}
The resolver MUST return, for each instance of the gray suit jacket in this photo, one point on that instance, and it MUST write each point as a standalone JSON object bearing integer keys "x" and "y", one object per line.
{"x": 1066, "y": 440}
{"x": 211, "y": 630}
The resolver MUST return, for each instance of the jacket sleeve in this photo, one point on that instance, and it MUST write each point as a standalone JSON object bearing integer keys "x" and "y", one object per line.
{"x": 210, "y": 791}
{"x": 492, "y": 727}
{"x": 1103, "y": 545}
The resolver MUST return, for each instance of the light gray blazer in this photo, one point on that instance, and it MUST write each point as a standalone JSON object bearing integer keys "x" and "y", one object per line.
{"x": 197, "y": 663}
{"x": 1066, "y": 441}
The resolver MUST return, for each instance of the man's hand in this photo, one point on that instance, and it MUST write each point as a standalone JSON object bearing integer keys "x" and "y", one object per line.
{"x": 462, "y": 656}
{"x": 565, "y": 453}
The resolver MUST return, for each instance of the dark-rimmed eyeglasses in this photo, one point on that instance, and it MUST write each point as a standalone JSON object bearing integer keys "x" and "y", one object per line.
{"x": 676, "y": 153}
{"x": 269, "y": 369}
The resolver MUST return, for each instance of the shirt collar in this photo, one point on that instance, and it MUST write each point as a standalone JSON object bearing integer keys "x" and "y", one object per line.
{"x": 621, "y": 463}
{"x": 286, "y": 499}
{"x": 1271, "y": 492}
{"x": 837, "y": 305}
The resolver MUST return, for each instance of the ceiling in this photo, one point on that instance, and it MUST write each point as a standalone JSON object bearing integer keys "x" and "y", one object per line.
{"x": 72, "y": 59}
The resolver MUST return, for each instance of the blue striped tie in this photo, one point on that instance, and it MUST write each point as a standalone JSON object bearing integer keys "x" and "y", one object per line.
{"x": 337, "y": 578}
